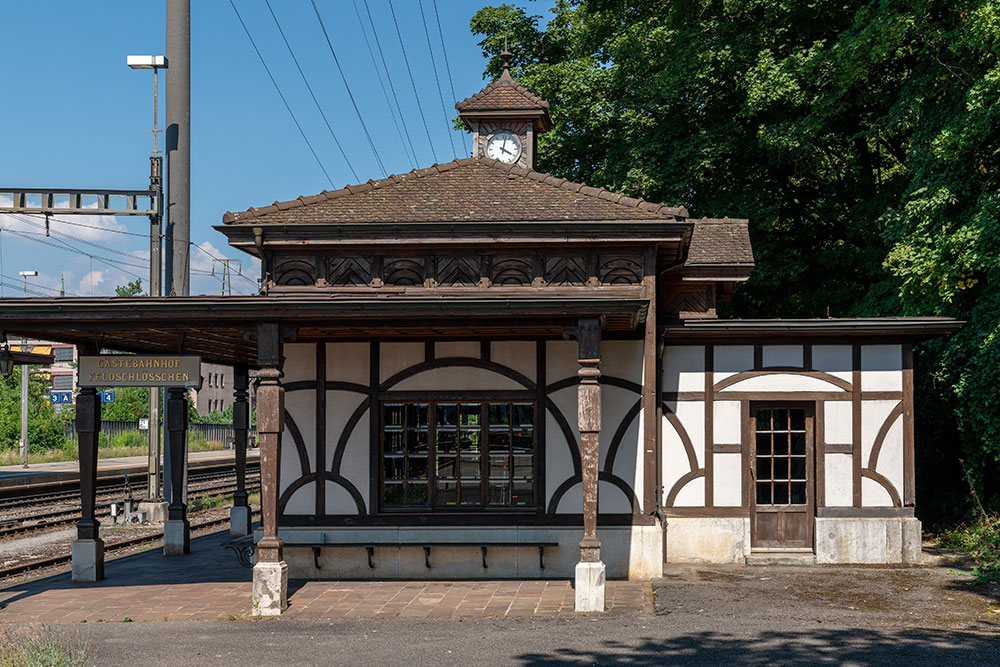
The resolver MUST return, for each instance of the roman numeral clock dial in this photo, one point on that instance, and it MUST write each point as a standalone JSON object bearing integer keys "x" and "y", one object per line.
{"x": 504, "y": 146}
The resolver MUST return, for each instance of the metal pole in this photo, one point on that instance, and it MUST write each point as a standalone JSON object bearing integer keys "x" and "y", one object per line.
{"x": 178, "y": 147}
{"x": 24, "y": 400}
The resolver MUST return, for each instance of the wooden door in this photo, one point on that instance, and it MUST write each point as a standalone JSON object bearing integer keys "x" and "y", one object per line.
{"x": 782, "y": 470}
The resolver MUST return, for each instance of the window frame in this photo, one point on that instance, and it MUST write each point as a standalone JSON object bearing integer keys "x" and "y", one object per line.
{"x": 484, "y": 398}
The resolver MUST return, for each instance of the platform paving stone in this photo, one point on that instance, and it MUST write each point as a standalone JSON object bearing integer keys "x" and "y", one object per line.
{"x": 209, "y": 584}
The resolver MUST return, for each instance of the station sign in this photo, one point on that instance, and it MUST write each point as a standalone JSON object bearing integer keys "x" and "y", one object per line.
{"x": 60, "y": 397}
{"x": 139, "y": 370}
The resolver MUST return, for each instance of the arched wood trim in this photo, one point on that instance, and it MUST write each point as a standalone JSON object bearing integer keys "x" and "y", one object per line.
{"x": 782, "y": 370}
{"x": 886, "y": 484}
{"x": 327, "y": 477}
{"x": 616, "y": 439}
{"x": 682, "y": 433}
{"x": 452, "y": 362}
{"x": 609, "y": 380}
{"x": 300, "y": 445}
{"x": 331, "y": 385}
{"x": 679, "y": 484}
{"x": 345, "y": 435}
{"x": 567, "y": 431}
{"x": 883, "y": 431}
{"x": 603, "y": 476}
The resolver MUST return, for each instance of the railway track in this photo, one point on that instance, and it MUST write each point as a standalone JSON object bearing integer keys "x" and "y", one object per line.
{"x": 110, "y": 547}
{"x": 27, "y": 500}
{"x": 38, "y": 522}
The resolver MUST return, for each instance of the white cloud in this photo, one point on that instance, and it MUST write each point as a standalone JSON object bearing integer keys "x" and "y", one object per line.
{"x": 90, "y": 283}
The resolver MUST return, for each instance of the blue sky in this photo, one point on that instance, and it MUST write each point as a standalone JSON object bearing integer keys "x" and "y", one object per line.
{"x": 74, "y": 115}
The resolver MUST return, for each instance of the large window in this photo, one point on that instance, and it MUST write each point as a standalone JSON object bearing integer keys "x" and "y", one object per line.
{"x": 458, "y": 455}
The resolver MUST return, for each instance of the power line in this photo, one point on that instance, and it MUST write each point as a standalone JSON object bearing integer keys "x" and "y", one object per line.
{"x": 357, "y": 111}
{"x": 385, "y": 66}
{"x": 62, "y": 245}
{"x": 411, "y": 156}
{"x": 105, "y": 248}
{"x": 220, "y": 259}
{"x": 416, "y": 97}
{"x": 37, "y": 287}
{"x": 437, "y": 79}
{"x": 451, "y": 80}
{"x": 280, "y": 94}
{"x": 309, "y": 88}
{"x": 95, "y": 227}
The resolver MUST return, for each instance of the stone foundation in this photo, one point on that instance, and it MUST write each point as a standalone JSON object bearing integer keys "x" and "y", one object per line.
{"x": 708, "y": 540}
{"x": 239, "y": 521}
{"x": 628, "y": 553}
{"x": 270, "y": 588}
{"x": 88, "y": 560}
{"x": 878, "y": 541}
{"x": 589, "y": 586}
{"x": 176, "y": 538}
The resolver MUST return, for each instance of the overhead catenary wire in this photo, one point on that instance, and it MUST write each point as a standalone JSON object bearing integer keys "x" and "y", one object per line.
{"x": 357, "y": 111}
{"x": 403, "y": 139}
{"x": 451, "y": 80}
{"x": 416, "y": 96}
{"x": 219, "y": 259}
{"x": 62, "y": 245}
{"x": 57, "y": 235}
{"x": 281, "y": 95}
{"x": 109, "y": 230}
{"x": 388, "y": 78}
{"x": 437, "y": 79}
{"x": 311, "y": 93}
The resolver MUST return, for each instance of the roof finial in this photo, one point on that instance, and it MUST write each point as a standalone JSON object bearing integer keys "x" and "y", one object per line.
{"x": 505, "y": 56}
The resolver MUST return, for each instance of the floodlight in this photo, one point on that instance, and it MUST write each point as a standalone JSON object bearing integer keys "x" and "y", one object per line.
{"x": 146, "y": 62}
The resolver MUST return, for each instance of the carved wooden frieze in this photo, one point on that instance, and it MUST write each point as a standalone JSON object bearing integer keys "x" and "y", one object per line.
{"x": 687, "y": 300}
{"x": 472, "y": 270}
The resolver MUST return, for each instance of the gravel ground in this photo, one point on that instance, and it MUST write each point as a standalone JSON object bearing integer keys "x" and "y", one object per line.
{"x": 705, "y": 615}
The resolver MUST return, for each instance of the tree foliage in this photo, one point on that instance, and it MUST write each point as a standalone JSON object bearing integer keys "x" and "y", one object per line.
{"x": 860, "y": 139}
{"x": 45, "y": 425}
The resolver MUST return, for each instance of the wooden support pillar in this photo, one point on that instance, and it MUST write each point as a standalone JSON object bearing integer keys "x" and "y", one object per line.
{"x": 176, "y": 529}
{"x": 270, "y": 574}
{"x": 88, "y": 548}
{"x": 590, "y": 571}
{"x": 239, "y": 516}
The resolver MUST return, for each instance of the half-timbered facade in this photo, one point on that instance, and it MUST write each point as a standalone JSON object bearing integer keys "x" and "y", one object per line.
{"x": 480, "y": 370}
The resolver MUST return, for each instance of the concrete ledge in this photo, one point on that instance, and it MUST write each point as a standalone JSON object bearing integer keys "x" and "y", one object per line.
{"x": 88, "y": 560}
{"x": 708, "y": 540}
{"x": 877, "y": 541}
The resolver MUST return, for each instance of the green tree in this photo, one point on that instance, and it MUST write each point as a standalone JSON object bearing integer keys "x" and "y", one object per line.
{"x": 46, "y": 426}
{"x": 133, "y": 288}
{"x": 860, "y": 139}
{"x": 130, "y": 404}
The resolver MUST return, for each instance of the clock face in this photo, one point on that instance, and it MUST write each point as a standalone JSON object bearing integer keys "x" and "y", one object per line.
{"x": 504, "y": 146}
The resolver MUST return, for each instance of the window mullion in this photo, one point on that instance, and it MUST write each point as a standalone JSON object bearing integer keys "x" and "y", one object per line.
{"x": 432, "y": 455}
{"x": 484, "y": 456}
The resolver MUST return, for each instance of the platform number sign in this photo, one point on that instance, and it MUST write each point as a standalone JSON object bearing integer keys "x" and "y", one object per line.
{"x": 60, "y": 397}
{"x": 107, "y": 396}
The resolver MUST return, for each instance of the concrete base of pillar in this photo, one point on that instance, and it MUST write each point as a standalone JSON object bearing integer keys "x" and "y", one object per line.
{"x": 239, "y": 521}
{"x": 156, "y": 512}
{"x": 270, "y": 588}
{"x": 88, "y": 560}
{"x": 589, "y": 585}
{"x": 176, "y": 537}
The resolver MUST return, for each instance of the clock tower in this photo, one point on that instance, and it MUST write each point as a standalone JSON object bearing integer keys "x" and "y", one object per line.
{"x": 506, "y": 119}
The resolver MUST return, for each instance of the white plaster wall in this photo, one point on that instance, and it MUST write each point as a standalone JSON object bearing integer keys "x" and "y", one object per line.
{"x": 299, "y": 363}
{"x": 457, "y": 349}
{"x": 301, "y": 405}
{"x": 726, "y": 422}
{"x": 520, "y": 356}
{"x": 781, "y": 382}
{"x": 303, "y": 501}
{"x": 633, "y": 552}
{"x": 691, "y": 415}
{"x": 348, "y": 362}
{"x": 873, "y": 414}
{"x": 394, "y": 357}
{"x": 839, "y": 483}
{"x": 622, "y": 359}
{"x": 728, "y": 480}
{"x": 890, "y": 458}
{"x": 560, "y": 361}
{"x": 339, "y": 501}
{"x": 874, "y": 494}
{"x": 610, "y": 500}
{"x": 558, "y": 461}
{"x": 683, "y": 368}
{"x": 833, "y": 359}
{"x": 838, "y": 422}
{"x": 615, "y": 404}
{"x": 732, "y": 359}
{"x": 356, "y": 461}
{"x": 881, "y": 368}
{"x": 691, "y": 494}
{"x": 782, "y": 355}
{"x": 708, "y": 540}
{"x": 463, "y": 378}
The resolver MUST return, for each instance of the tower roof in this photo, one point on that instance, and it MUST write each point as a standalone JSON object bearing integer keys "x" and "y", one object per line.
{"x": 508, "y": 97}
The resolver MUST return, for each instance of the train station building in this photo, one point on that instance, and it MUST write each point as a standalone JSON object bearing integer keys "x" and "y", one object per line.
{"x": 476, "y": 370}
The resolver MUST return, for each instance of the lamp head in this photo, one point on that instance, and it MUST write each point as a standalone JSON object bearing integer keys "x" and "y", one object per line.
{"x": 6, "y": 360}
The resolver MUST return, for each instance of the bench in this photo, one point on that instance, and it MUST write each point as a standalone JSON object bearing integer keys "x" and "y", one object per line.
{"x": 243, "y": 548}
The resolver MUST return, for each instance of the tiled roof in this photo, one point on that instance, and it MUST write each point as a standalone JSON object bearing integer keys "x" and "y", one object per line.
{"x": 504, "y": 94}
{"x": 468, "y": 189}
{"x": 720, "y": 241}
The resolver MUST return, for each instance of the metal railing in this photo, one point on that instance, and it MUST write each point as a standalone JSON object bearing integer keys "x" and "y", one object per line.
{"x": 212, "y": 432}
